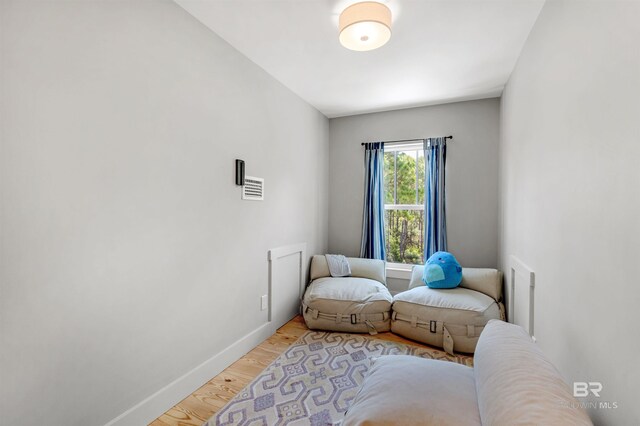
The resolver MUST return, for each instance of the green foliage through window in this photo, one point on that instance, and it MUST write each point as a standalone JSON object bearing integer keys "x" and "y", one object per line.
{"x": 404, "y": 205}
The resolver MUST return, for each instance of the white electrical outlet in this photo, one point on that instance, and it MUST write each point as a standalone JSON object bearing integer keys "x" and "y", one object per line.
{"x": 264, "y": 302}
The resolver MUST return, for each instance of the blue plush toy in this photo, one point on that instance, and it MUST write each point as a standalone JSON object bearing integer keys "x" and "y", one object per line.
{"x": 442, "y": 270}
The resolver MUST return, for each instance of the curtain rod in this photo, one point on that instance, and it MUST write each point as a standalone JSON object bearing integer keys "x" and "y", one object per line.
{"x": 407, "y": 140}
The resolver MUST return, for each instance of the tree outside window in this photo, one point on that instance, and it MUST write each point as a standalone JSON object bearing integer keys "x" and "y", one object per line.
{"x": 404, "y": 174}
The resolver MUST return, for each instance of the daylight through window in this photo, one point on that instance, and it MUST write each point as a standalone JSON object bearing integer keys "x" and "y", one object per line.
{"x": 404, "y": 175}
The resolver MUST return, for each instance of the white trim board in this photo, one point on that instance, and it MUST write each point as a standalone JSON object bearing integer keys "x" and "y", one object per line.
{"x": 283, "y": 305}
{"x": 283, "y": 251}
{"x": 525, "y": 291}
{"x": 155, "y": 405}
{"x": 399, "y": 272}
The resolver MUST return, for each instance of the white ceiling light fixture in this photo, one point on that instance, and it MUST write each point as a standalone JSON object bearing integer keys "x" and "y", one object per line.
{"x": 365, "y": 26}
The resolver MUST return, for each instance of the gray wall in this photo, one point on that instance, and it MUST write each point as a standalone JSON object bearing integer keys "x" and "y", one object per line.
{"x": 127, "y": 256}
{"x": 472, "y": 173}
{"x": 570, "y": 186}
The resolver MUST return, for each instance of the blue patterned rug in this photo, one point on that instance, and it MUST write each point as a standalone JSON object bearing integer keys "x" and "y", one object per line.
{"x": 314, "y": 381}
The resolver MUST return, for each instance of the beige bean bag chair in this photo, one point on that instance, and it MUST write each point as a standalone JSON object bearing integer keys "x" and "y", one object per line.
{"x": 359, "y": 303}
{"x": 449, "y": 318}
{"x": 511, "y": 383}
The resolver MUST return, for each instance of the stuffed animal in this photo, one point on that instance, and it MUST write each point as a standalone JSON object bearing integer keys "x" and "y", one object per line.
{"x": 442, "y": 270}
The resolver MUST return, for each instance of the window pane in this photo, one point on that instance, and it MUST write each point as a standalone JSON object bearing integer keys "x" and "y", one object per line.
{"x": 388, "y": 178}
{"x": 406, "y": 176}
{"x": 404, "y": 230}
{"x": 421, "y": 177}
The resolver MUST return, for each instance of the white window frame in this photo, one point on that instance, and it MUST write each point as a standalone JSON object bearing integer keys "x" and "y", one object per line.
{"x": 403, "y": 207}
{"x": 403, "y": 270}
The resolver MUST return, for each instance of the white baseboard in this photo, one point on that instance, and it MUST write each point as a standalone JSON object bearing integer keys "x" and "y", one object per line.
{"x": 155, "y": 405}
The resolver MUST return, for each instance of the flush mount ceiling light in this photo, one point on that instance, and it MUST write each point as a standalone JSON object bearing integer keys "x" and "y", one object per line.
{"x": 365, "y": 26}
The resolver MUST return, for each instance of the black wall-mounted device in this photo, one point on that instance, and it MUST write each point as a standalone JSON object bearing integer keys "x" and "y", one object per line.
{"x": 239, "y": 172}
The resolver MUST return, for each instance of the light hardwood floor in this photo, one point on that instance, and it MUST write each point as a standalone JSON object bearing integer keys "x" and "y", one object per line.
{"x": 198, "y": 407}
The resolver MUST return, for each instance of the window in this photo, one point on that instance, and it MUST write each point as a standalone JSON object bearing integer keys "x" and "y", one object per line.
{"x": 404, "y": 203}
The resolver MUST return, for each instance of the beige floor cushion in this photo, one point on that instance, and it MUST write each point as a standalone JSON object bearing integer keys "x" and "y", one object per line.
{"x": 407, "y": 390}
{"x": 347, "y": 304}
{"x": 373, "y": 269}
{"x": 517, "y": 385}
{"x": 360, "y": 303}
{"x": 448, "y": 318}
{"x": 484, "y": 280}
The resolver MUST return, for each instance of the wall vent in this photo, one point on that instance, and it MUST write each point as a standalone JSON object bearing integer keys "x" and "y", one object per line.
{"x": 253, "y": 188}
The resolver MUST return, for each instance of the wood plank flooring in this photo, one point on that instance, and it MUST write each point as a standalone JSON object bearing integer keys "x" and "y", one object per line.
{"x": 198, "y": 407}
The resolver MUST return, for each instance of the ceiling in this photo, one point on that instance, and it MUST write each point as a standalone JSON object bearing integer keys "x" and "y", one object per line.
{"x": 440, "y": 50}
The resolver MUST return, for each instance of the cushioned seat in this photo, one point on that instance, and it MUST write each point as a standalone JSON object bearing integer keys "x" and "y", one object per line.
{"x": 410, "y": 391}
{"x": 360, "y": 303}
{"x": 448, "y": 318}
{"x": 511, "y": 383}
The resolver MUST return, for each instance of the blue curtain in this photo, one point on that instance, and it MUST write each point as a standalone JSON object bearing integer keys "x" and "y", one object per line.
{"x": 435, "y": 234}
{"x": 373, "y": 246}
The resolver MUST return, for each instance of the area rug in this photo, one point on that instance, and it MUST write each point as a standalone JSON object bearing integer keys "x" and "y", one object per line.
{"x": 314, "y": 381}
